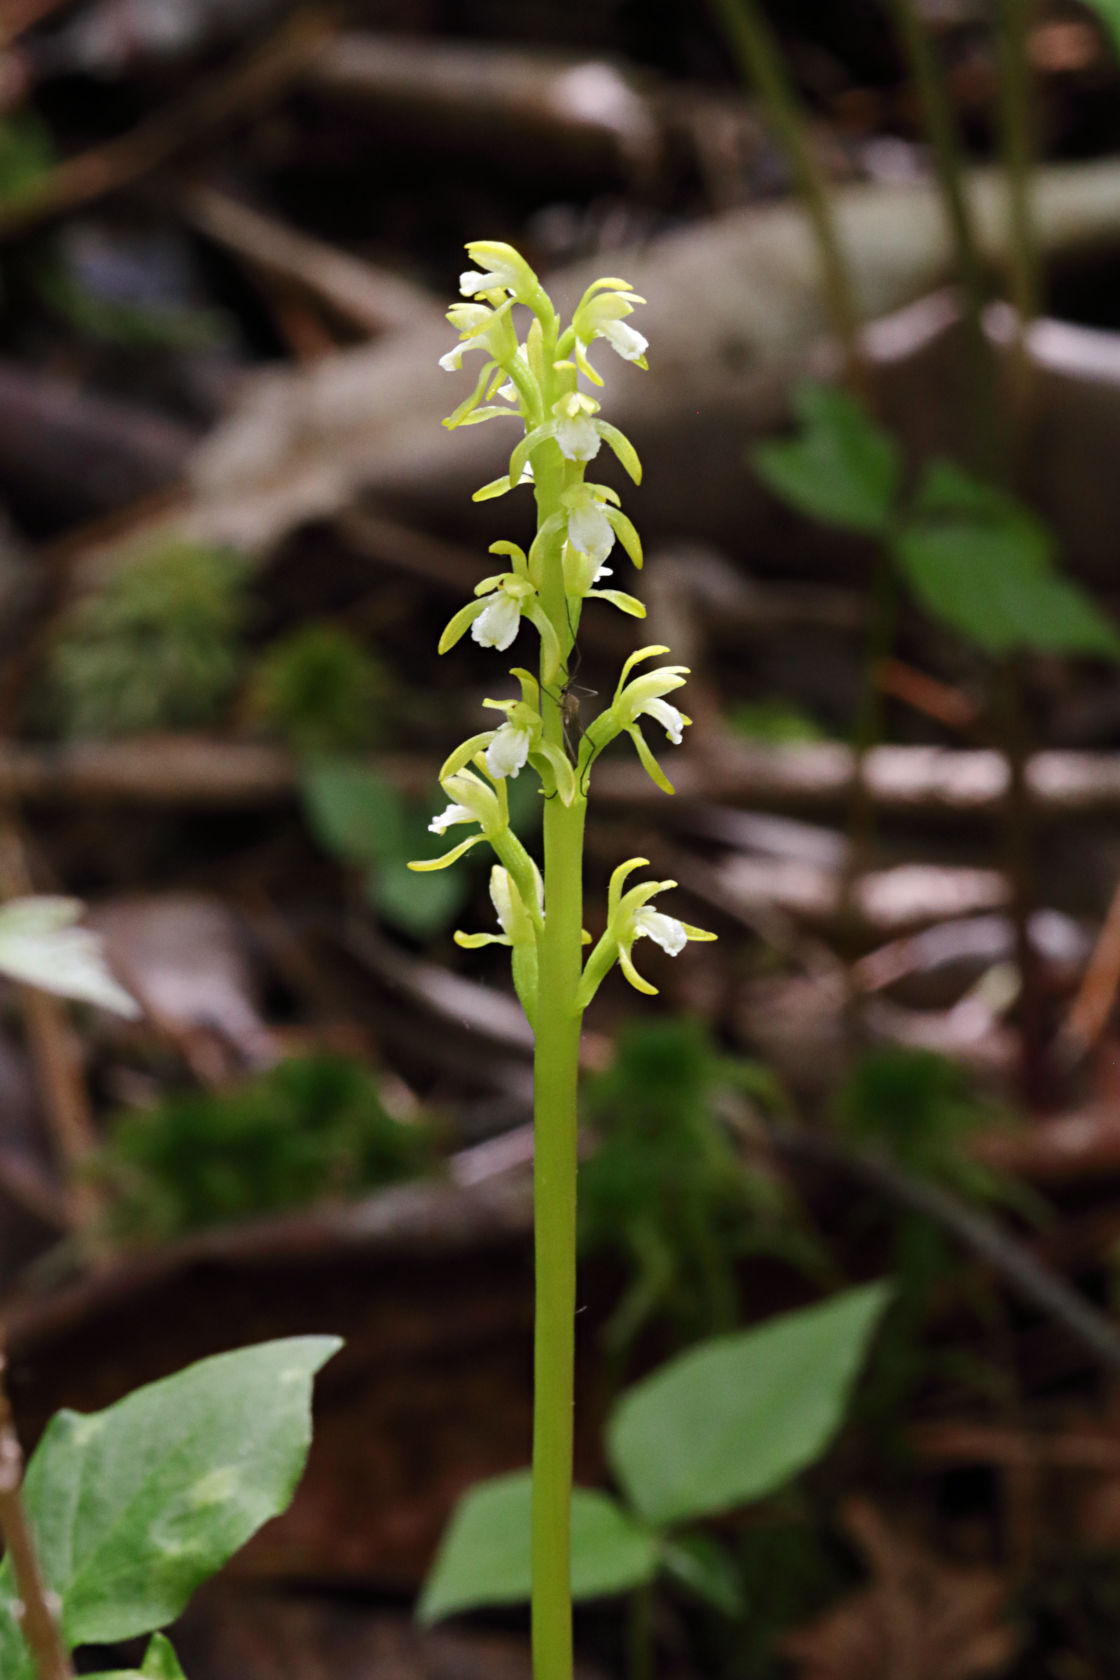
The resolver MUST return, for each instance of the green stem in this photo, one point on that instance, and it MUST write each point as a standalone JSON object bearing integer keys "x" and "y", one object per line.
{"x": 760, "y": 60}
{"x": 555, "y": 1079}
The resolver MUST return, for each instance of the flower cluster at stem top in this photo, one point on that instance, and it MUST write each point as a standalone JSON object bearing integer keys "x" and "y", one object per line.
{"x": 535, "y": 379}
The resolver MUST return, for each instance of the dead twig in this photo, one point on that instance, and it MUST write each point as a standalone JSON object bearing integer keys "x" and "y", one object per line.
{"x": 54, "y": 1049}
{"x": 160, "y": 138}
{"x": 929, "y": 782}
{"x": 1012, "y": 1261}
{"x": 371, "y": 299}
{"x": 38, "y": 1608}
{"x": 1097, "y": 993}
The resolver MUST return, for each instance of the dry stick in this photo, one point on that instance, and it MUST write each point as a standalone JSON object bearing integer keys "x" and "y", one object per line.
{"x": 948, "y": 150}
{"x": 200, "y": 772}
{"x": 1097, "y": 992}
{"x": 53, "y": 1046}
{"x": 159, "y": 138}
{"x": 369, "y": 298}
{"x": 38, "y": 1619}
{"x": 18, "y": 16}
{"x": 1025, "y": 1275}
{"x": 1017, "y": 141}
{"x": 761, "y": 61}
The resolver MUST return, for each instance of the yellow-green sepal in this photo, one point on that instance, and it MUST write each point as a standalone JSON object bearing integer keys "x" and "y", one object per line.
{"x": 649, "y": 764}
{"x": 458, "y": 626}
{"x": 425, "y": 866}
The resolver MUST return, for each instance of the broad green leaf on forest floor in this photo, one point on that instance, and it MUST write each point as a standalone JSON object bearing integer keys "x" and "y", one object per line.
{"x": 707, "y": 1570}
{"x": 1109, "y": 13}
{"x": 362, "y": 819}
{"x": 983, "y": 564}
{"x": 842, "y": 467}
{"x": 353, "y": 812}
{"x": 135, "y": 1506}
{"x": 159, "y": 1663}
{"x": 484, "y": 1557}
{"x": 735, "y": 1418}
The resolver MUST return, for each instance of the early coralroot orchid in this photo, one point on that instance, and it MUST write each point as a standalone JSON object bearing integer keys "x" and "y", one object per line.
{"x": 579, "y": 524}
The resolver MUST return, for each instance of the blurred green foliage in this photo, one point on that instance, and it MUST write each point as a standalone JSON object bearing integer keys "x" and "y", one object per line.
{"x": 776, "y": 723}
{"x": 977, "y": 559}
{"x": 27, "y": 153}
{"x": 320, "y": 691}
{"x": 360, "y": 818}
{"x": 157, "y": 647}
{"x": 917, "y": 1110}
{"x": 668, "y": 1190}
{"x": 312, "y": 1128}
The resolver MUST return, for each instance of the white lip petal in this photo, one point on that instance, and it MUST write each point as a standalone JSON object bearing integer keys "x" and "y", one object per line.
{"x": 453, "y": 361}
{"x": 664, "y": 930}
{"x": 626, "y": 340}
{"x": 668, "y": 717}
{"x": 577, "y": 438}
{"x": 508, "y": 752}
{"x": 453, "y": 814}
{"x": 500, "y": 278}
{"x": 602, "y": 572}
{"x": 498, "y": 624}
{"x": 590, "y": 531}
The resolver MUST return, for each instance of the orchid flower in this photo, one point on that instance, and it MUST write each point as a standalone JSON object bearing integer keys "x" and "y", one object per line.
{"x": 630, "y": 916}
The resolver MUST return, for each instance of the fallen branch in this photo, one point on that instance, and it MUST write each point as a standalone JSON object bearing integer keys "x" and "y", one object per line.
{"x": 904, "y": 781}
{"x": 163, "y": 136}
{"x": 372, "y": 299}
{"x": 1013, "y": 1262}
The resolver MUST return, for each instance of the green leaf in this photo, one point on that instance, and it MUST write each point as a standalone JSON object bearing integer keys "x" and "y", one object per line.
{"x": 420, "y": 906}
{"x": 484, "y": 1557}
{"x": 135, "y": 1506}
{"x": 159, "y": 1663}
{"x": 15, "y": 1658}
{"x": 983, "y": 564}
{"x": 352, "y": 812}
{"x": 842, "y": 468}
{"x": 736, "y": 1417}
{"x": 1109, "y": 13}
{"x": 706, "y": 1569}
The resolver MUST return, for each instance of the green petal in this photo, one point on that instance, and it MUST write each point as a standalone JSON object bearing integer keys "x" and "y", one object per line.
{"x": 618, "y": 877}
{"x": 475, "y": 941}
{"x": 636, "y": 659}
{"x": 517, "y": 555}
{"x": 463, "y": 754}
{"x": 550, "y": 644}
{"x": 468, "y": 403}
{"x": 623, "y": 448}
{"x": 525, "y": 448}
{"x": 626, "y": 534}
{"x": 625, "y": 603}
{"x": 649, "y": 764}
{"x": 563, "y": 775}
{"x": 584, "y": 365}
{"x": 633, "y": 976}
{"x": 426, "y": 865}
{"x": 496, "y": 487}
{"x": 696, "y": 933}
{"x": 460, "y": 624}
{"x": 478, "y": 415}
